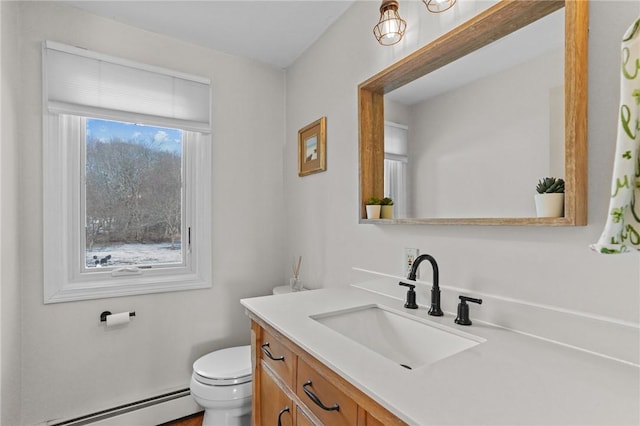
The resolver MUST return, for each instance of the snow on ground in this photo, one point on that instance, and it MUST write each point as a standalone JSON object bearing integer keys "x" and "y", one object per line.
{"x": 135, "y": 254}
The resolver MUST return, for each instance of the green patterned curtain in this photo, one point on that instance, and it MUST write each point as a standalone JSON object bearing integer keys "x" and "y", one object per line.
{"x": 622, "y": 230}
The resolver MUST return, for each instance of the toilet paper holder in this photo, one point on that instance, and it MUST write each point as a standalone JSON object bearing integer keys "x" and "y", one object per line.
{"x": 105, "y": 314}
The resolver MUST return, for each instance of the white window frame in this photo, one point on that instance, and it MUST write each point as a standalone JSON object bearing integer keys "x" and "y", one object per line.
{"x": 65, "y": 276}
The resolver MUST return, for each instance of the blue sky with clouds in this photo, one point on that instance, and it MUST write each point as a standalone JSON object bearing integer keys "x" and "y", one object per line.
{"x": 159, "y": 138}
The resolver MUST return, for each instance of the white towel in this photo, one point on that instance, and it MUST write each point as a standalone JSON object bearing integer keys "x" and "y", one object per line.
{"x": 622, "y": 230}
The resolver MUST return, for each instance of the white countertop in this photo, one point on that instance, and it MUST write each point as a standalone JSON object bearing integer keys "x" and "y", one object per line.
{"x": 510, "y": 379}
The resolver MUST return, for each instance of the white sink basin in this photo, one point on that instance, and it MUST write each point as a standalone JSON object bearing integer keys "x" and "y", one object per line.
{"x": 403, "y": 339}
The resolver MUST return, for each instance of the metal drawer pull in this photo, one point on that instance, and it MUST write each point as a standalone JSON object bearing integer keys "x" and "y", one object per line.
{"x": 268, "y": 354}
{"x": 284, "y": 410}
{"x": 316, "y": 400}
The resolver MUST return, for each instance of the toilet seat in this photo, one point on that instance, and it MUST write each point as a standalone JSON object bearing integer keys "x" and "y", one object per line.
{"x": 226, "y": 367}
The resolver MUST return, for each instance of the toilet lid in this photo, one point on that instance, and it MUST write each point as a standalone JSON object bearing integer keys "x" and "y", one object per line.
{"x": 225, "y": 367}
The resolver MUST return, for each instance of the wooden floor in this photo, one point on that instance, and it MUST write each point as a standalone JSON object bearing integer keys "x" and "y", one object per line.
{"x": 192, "y": 420}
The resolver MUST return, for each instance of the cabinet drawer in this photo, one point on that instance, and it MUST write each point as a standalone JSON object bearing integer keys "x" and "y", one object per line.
{"x": 372, "y": 421}
{"x": 280, "y": 359}
{"x": 275, "y": 408}
{"x": 326, "y": 401}
{"x": 302, "y": 419}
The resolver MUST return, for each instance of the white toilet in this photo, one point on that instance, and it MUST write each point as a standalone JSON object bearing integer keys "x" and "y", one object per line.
{"x": 221, "y": 384}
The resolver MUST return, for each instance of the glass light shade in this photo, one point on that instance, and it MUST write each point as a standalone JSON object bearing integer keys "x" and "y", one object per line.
{"x": 437, "y": 6}
{"x": 390, "y": 27}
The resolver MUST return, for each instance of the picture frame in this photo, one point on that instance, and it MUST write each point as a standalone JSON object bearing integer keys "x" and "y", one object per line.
{"x": 312, "y": 148}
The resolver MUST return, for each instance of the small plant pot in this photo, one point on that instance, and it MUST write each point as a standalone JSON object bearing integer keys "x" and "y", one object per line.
{"x": 373, "y": 211}
{"x": 386, "y": 212}
{"x": 549, "y": 205}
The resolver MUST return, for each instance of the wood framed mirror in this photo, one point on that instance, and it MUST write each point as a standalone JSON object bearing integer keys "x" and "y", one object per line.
{"x": 498, "y": 21}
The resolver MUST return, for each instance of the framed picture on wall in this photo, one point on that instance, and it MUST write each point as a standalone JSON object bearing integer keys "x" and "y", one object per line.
{"x": 312, "y": 148}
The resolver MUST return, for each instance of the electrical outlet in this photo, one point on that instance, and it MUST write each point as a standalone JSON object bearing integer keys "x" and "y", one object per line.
{"x": 410, "y": 255}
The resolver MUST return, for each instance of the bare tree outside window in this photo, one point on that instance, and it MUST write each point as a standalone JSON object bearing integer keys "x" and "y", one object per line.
{"x": 133, "y": 194}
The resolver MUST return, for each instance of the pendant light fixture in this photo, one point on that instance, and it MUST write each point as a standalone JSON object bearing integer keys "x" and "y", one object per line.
{"x": 437, "y": 6}
{"x": 391, "y": 26}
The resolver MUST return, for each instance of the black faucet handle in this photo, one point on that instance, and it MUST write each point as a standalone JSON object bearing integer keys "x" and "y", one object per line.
{"x": 463, "y": 310}
{"x": 411, "y": 296}
{"x": 470, "y": 299}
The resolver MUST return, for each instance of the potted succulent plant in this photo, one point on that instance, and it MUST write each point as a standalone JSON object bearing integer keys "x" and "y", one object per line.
{"x": 386, "y": 211}
{"x": 550, "y": 197}
{"x": 373, "y": 206}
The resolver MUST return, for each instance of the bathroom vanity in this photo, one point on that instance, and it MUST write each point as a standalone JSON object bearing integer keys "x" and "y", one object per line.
{"x": 342, "y": 341}
{"x": 293, "y": 387}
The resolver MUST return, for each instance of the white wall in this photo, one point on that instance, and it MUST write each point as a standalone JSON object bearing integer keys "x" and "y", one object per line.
{"x": 548, "y": 266}
{"x": 71, "y": 364}
{"x": 10, "y": 288}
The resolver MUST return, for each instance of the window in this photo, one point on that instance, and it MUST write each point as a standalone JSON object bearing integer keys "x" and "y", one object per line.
{"x": 127, "y": 192}
{"x": 132, "y": 204}
{"x": 396, "y": 184}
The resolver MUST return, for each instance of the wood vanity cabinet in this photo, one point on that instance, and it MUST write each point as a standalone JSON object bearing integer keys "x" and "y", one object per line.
{"x": 280, "y": 406}
{"x": 290, "y": 387}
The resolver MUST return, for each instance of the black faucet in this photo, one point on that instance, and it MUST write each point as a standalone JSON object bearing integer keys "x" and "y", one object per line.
{"x": 434, "y": 310}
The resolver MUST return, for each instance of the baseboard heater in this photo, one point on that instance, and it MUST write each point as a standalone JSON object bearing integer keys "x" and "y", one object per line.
{"x": 150, "y": 411}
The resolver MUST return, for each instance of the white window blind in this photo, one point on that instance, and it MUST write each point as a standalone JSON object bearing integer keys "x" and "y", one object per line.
{"x": 86, "y": 83}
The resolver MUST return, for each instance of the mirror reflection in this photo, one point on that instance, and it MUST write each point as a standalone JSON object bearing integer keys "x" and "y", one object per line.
{"x": 471, "y": 139}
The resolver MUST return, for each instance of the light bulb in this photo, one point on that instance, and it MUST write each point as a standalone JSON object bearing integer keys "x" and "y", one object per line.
{"x": 390, "y": 27}
{"x": 437, "y": 6}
